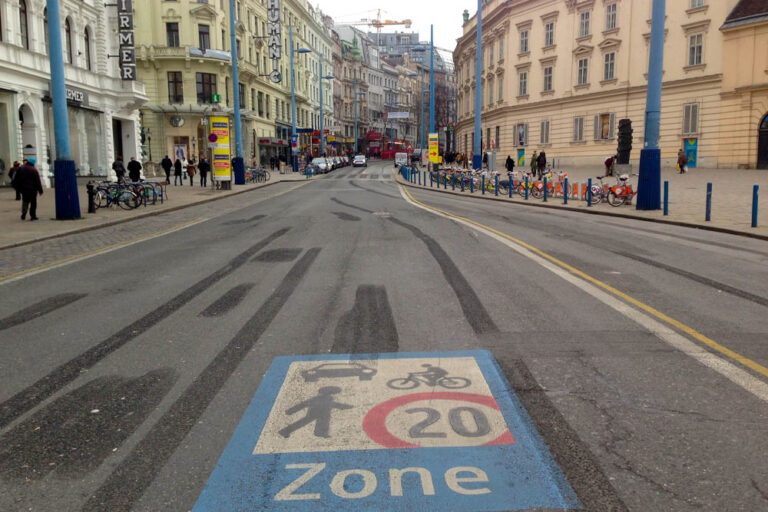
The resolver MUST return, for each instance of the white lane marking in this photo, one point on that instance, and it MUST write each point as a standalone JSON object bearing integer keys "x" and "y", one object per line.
{"x": 99, "y": 252}
{"x": 725, "y": 368}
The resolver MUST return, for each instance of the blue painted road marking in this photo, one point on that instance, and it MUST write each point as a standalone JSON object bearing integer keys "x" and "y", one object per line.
{"x": 400, "y": 432}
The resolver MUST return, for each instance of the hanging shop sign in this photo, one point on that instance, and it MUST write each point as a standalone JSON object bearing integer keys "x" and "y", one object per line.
{"x": 221, "y": 157}
{"x": 126, "y": 39}
{"x": 275, "y": 45}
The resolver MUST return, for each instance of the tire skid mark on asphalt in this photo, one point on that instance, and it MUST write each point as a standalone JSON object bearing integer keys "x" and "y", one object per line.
{"x": 130, "y": 479}
{"x": 39, "y": 309}
{"x": 697, "y": 278}
{"x": 369, "y": 327}
{"x": 228, "y": 301}
{"x": 31, "y": 396}
{"x": 635, "y": 310}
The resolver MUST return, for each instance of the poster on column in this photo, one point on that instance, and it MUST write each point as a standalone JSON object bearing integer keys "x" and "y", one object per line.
{"x": 222, "y": 170}
{"x": 434, "y": 156}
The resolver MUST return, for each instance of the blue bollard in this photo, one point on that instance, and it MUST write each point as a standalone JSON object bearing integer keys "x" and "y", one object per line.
{"x": 461, "y": 177}
{"x": 589, "y": 192}
{"x": 545, "y": 189}
{"x": 526, "y": 187}
{"x": 472, "y": 185}
{"x": 431, "y": 180}
{"x": 445, "y": 182}
{"x": 755, "y": 190}
{"x": 510, "y": 185}
{"x": 708, "y": 212}
{"x": 496, "y": 184}
{"x": 483, "y": 184}
{"x": 666, "y": 198}
{"x": 566, "y": 191}
{"x": 453, "y": 182}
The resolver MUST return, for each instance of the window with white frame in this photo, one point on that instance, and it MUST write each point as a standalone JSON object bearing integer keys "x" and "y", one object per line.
{"x": 691, "y": 119}
{"x": 523, "y": 84}
{"x": 584, "y": 24}
{"x": 609, "y": 71}
{"x": 604, "y": 126}
{"x": 697, "y": 3}
{"x": 610, "y": 16}
{"x": 695, "y": 49}
{"x": 544, "y": 138}
{"x": 583, "y": 77}
{"x": 549, "y": 34}
{"x": 521, "y": 134}
{"x": 524, "y": 41}
{"x": 548, "y": 79}
{"x": 578, "y": 128}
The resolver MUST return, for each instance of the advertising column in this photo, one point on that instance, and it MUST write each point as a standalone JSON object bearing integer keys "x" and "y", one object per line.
{"x": 219, "y": 140}
{"x": 434, "y": 153}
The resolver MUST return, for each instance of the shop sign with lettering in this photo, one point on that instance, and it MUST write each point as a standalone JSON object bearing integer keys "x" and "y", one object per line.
{"x": 127, "y": 53}
{"x": 274, "y": 43}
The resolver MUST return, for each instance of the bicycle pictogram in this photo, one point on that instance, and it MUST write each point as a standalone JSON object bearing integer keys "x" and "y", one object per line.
{"x": 432, "y": 376}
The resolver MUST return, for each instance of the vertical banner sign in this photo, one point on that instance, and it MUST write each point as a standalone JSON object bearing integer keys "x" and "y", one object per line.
{"x": 126, "y": 39}
{"x": 433, "y": 148}
{"x": 221, "y": 157}
{"x": 691, "y": 152}
{"x": 274, "y": 44}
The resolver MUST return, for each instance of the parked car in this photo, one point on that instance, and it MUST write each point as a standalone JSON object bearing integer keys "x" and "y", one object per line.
{"x": 322, "y": 164}
{"x": 337, "y": 161}
{"x": 359, "y": 161}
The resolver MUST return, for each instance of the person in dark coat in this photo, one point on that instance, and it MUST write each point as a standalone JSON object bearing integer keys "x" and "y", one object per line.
{"x": 27, "y": 181}
{"x": 119, "y": 169}
{"x": 485, "y": 159}
{"x": 177, "y": 176}
{"x": 167, "y": 165}
{"x": 542, "y": 163}
{"x": 134, "y": 169}
{"x": 205, "y": 168}
{"x": 11, "y": 173}
{"x": 509, "y": 164}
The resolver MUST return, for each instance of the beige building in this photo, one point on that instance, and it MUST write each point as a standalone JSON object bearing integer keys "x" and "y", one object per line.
{"x": 558, "y": 75}
{"x": 183, "y": 57}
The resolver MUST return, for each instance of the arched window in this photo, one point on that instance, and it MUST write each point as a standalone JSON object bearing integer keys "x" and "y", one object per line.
{"x": 68, "y": 40}
{"x": 87, "y": 42}
{"x": 23, "y": 24}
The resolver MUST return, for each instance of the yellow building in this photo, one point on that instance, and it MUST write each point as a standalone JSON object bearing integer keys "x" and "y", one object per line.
{"x": 558, "y": 75}
{"x": 183, "y": 57}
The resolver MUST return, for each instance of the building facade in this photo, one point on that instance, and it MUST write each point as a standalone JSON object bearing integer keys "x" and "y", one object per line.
{"x": 557, "y": 75}
{"x": 104, "y": 119}
{"x": 183, "y": 56}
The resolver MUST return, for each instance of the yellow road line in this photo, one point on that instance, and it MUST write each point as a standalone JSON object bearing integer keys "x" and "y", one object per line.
{"x": 693, "y": 333}
{"x": 112, "y": 247}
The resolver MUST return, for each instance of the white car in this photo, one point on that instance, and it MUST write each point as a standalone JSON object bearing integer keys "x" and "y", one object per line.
{"x": 322, "y": 164}
{"x": 359, "y": 161}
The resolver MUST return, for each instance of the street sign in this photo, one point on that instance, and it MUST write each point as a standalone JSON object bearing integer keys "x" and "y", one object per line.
{"x": 398, "y": 432}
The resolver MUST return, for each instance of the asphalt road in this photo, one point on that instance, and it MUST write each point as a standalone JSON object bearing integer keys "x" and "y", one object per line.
{"x": 638, "y": 350}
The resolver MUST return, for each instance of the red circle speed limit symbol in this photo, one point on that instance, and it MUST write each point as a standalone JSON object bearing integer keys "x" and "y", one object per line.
{"x": 447, "y": 418}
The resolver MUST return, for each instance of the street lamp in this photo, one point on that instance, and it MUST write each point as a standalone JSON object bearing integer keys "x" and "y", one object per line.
{"x": 355, "y": 94}
{"x": 322, "y": 130}
{"x": 294, "y": 138}
{"x": 239, "y": 166}
{"x": 421, "y": 50}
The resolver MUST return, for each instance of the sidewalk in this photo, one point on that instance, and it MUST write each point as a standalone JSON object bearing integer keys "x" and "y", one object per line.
{"x": 731, "y": 198}
{"x": 16, "y": 232}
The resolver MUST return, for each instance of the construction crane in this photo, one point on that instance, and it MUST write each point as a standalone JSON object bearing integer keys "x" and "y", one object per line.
{"x": 378, "y": 22}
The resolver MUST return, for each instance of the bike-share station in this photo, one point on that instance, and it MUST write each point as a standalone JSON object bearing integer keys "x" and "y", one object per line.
{"x": 399, "y": 432}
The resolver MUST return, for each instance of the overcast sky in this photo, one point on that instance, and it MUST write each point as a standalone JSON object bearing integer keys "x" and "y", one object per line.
{"x": 444, "y": 14}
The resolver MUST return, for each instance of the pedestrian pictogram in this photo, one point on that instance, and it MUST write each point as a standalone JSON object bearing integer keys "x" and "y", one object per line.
{"x": 397, "y": 432}
{"x": 319, "y": 409}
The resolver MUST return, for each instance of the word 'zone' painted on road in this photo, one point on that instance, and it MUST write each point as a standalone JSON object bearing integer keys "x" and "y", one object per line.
{"x": 418, "y": 431}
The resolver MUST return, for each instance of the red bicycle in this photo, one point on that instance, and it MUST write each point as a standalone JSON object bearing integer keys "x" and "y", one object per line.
{"x": 622, "y": 192}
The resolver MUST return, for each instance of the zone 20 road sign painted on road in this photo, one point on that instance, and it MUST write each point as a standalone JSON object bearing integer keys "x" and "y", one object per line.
{"x": 400, "y": 432}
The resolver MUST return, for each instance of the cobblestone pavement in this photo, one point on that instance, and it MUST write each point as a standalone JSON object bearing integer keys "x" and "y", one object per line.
{"x": 15, "y": 231}
{"x": 731, "y": 197}
{"x": 46, "y": 252}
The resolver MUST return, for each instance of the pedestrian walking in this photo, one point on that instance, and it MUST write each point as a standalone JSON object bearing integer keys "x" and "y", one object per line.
{"x": 134, "y": 169}
{"x": 509, "y": 164}
{"x": 681, "y": 161}
{"x": 191, "y": 170}
{"x": 167, "y": 165}
{"x": 205, "y": 168}
{"x": 534, "y": 163}
{"x": 119, "y": 169}
{"x": 27, "y": 182}
{"x": 272, "y": 163}
{"x": 11, "y": 173}
{"x": 542, "y": 163}
{"x": 177, "y": 177}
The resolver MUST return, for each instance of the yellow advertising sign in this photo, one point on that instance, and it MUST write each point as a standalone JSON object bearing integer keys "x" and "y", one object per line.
{"x": 219, "y": 141}
{"x": 433, "y": 149}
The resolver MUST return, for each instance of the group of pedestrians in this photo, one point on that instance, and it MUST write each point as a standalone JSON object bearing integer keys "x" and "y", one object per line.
{"x": 191, "y": 168}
